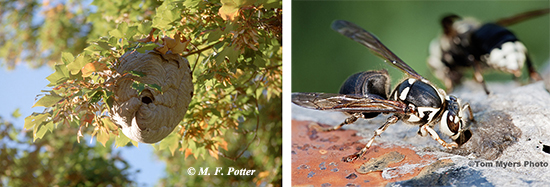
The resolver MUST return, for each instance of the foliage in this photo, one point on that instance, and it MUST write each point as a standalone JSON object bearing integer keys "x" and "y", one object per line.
{"x": 24, "y": 28}
{"x": 235, "y": 52}
{"x": 264, "y": 156}
{"x": 53, "y": 160}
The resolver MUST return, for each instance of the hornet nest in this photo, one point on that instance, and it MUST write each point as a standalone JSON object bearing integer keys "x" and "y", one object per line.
{"x": 152, "y": 115}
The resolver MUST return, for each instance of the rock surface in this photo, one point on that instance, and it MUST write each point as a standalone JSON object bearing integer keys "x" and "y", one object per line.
{"x": 510, "y": 143}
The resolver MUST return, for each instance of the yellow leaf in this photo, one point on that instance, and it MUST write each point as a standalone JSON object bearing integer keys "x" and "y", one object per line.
{"x": 187, "y": 152}
{"x": 180, "y": 47}
{"x": 213, "y": 153}
{"x": 91, "y": 67}
{"x": 263, "y": 174}
{"x": 102, "y": 136}
{"x": 110, "y": 125}
{"x": 223, "y": 144}
{"x": 230, "y": 8}
{"x": 228, "y": 13}
{"x": 79, "y": 134}
{"x": 162, "y": 48}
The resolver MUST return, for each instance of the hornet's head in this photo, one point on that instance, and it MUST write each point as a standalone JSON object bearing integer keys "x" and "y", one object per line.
{"x": 453, "y": 122}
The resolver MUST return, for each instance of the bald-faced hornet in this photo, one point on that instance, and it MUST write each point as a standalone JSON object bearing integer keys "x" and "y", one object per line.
{"x": 415, "y": 101}
{"x": 466, "y": 43}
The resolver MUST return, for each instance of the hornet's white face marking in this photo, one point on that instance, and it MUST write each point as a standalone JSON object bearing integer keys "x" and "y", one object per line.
{"x": 510, "y": 58}
{"x": 431, "y": 115}
{"x": 421, "y": 114}
{"x": 411, "y": 81}
{"x": 413, "y": 118}
{"x": 444, "y": 127}
{"x": 404, "y": 93}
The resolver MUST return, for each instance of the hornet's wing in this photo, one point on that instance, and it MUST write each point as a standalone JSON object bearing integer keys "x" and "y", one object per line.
{"x": 348, "y": 103}
{"x": 367, "y": 39}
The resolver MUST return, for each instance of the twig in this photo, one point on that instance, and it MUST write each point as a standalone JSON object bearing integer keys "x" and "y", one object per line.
{"x": 203, "y": 49}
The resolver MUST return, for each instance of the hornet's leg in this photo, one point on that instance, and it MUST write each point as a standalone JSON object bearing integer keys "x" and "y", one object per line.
{"x": 426, "y": 129}
{"x": 479, "y": 77}
{"x": 349, "y": 120}
{"x": 471, "y": 116}
{"x": 391, "y": 120}
{"x": 532, "y": 72}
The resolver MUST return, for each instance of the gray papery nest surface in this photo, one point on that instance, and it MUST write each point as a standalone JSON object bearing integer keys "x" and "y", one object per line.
{"x": 152, "y": 115}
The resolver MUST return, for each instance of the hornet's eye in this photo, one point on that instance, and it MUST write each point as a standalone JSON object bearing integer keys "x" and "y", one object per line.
{"x": 450, "y": 123}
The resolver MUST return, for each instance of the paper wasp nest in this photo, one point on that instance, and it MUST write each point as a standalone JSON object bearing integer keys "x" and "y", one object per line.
{"x": 152, "y": 115}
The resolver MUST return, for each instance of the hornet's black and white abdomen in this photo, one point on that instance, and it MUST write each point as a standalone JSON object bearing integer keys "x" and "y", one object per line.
{"x": 499, "y": 48}
{"x": 423, "y": 97}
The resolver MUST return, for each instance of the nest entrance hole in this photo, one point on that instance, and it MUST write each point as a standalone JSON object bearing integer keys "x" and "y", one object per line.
{"x": 147, "y": 97}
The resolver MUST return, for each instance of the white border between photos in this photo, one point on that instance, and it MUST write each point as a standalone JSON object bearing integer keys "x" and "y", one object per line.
{"x": 287, "y": 118}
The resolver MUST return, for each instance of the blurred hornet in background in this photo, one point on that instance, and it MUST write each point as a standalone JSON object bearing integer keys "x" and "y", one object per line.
{"x": 415, "y": 100}
{"x": 467, "y": 43}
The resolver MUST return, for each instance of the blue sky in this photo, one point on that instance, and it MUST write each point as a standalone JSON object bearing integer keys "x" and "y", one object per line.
{"x": 23, "y": 84}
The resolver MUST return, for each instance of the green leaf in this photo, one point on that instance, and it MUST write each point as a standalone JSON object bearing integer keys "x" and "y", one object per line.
{"x": 134, "y": 143}
{"x": 269, "y": 4}
{"x": 167, "y": 13}
{"x": 105, "y": 45}
{"x": 124, "y": 31}
{"x": 96, "y": 96}
{"x": 93, "y": 48}
{"x": 42, "y": 130}
{"x": 215, "y": 35}
{"x": 77, "y": 64}
{"x": 155, "y": 87}
{"x": 16, "y": 113}
{"x": 48, "y": 101}
{"x": 108, "y": 99}
{"x": 260, "y": 62}
{"x": 155, "y": 146}
{"x": 60, "y": 75}
{"x": 147, "y": 47}
{"x": 220, "y": 57}
{"x": 191, "y": 3}
{"x": 132, "y": 30}
{"x": 119, "y": 31}
{"x": 35, "y": 119}
{"x": 145, "y": 27}
{"x": 138, "y": 86}
{"x": 192, "y": 145}
{"x": 136, "y": 73}
{"x": 67, "y": 58}
{"x": 259, "y": 92}
{"x": 171, "y": 142}
{"x": 121, "y": 140}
